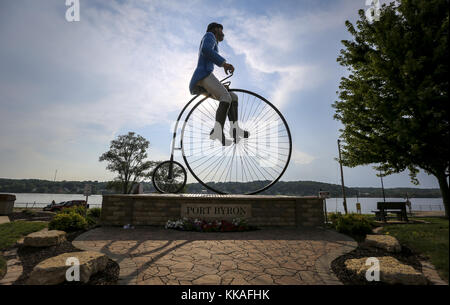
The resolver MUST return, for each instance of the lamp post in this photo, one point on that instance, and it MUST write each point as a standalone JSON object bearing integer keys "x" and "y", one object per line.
{"x": 342, "y": 177}
{"x": 382, "y": 187}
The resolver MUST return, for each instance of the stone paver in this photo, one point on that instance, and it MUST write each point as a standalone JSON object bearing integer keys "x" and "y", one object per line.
{"x": 13, "y": 267}
{"x": 270, "y": 256}
{"x": 431, "y": 274}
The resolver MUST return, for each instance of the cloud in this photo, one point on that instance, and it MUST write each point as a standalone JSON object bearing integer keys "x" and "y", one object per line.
{"x": 67, "y": 89}
{"x": 280, "y": 45}
{"x": 301, "y": 158}
{"x": 63, "y": 83}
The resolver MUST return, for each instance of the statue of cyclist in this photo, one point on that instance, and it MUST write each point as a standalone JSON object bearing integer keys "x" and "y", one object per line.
{"x": 204, "y": 82}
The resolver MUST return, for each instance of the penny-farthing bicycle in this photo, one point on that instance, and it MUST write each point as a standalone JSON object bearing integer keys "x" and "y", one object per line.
{"x": 258, "y": 161}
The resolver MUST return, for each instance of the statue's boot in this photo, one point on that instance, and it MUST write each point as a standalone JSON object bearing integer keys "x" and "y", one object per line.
{"x": 217, "y": 132}
{"x": 235, "y": 131}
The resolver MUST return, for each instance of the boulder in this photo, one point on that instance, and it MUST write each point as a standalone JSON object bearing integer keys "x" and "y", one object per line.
{"x": 44, "y": 238}
{"x": 391, "y": 271}
{"x": 386, "y": 242}
{"x": 53, "y": 270}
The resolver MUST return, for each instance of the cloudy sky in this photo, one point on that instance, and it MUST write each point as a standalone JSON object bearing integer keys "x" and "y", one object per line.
{"x": 68, "y": 88}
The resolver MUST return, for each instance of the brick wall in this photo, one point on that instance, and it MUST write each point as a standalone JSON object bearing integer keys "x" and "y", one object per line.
{"x": 156, "y": 209}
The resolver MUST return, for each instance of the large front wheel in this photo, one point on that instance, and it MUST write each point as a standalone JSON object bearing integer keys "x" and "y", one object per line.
{"x": 248, "y": 166}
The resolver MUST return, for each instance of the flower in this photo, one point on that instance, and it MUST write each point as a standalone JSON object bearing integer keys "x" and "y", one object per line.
{"x": 190, "y": 224}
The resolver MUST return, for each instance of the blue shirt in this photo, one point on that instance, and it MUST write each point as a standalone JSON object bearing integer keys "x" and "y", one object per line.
{"x": 208, "y": 55}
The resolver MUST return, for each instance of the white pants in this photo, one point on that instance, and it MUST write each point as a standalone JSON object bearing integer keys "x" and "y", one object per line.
{"x": 218, "y": 91}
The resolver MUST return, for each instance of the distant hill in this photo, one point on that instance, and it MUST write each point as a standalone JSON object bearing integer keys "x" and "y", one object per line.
{"x": 299, "y": 188}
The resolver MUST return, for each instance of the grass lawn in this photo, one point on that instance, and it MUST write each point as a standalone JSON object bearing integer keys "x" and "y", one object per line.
{"x": 12, "y": 231}
{"x": 430, "y": 240}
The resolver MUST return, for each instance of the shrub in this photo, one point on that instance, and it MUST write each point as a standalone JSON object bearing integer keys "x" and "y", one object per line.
{"x": 80, "y": 210}
{"x": 333, "y": 217}
{"x": 68, "y": 222}
{"x": 91, "y": 220}
{"x": 351, "y": 224}
{"x": 29, "y": 212}
{"x": 94, "y": 212}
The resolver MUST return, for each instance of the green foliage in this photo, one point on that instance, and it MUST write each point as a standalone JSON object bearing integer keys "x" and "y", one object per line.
{"x": 90, "y": 217}
{"x": 92, "y": 221}
{"x": 296, "y": 188}
{"x": 68, "y": 222}
{"x": 333, "y": 218}
{"x": 394, "y": 102}
{"x": 29, "y": 212}
{"x": 430, "y": 239}
{"x": 10, "y": 232}
{"x": 351, "y": 224}
{"x": 74, "y": 209}
{"x": 93, "y": 216}
{"x": 46, "y": 186}
{"x": 94, "y": 212}
{"x": 126, "y": 157}
{"x": 161, "y": 175}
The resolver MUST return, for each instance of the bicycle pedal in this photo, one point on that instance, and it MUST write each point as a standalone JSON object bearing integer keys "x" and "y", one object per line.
{"x": 225, "y": 141}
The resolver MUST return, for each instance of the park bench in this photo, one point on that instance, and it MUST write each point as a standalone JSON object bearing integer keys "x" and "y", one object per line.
{"x": 398, "y": 208}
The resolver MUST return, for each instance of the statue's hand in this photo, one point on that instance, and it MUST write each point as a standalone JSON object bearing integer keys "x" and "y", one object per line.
{"x": 228, "y": 68}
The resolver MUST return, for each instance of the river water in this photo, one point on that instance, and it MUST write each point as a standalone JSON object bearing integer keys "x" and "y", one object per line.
{"x": 370, "y": 204}
{"x": 333, "y": 204}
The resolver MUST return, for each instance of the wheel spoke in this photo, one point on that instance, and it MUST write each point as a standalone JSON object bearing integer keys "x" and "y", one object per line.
{"x": 165, "y": 185}
{"x": 261, "y": 159}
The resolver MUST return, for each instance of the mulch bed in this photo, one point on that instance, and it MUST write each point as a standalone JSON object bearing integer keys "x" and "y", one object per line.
{"x": 347, "y": 277}
{"x": 35, "y": 216}
{"x": 31, "y": 256}
{"x": 2, "y": 272}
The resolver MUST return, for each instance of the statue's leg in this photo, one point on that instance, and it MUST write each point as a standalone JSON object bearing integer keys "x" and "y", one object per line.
{"x": 233, "y": 116}
{"x": 220, "y": 93}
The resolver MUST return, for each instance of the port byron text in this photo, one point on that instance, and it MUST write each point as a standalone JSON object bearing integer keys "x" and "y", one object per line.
{"x": 216, "y": 210}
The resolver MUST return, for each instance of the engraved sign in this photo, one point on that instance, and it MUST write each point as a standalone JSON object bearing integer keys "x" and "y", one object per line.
{"x": 222, "y": 211}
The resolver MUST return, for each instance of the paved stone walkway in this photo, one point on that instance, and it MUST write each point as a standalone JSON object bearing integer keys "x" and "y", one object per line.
{"x": 150, "y": 255}
{"x": 13, "y": 267}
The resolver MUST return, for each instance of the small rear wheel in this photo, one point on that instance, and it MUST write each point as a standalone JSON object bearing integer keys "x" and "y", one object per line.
{"x": 169, "y": 177}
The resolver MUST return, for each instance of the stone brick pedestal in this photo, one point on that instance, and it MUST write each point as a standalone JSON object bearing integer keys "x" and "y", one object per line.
{"x": 259, "y": 210}
{"x": 7, "y": 204}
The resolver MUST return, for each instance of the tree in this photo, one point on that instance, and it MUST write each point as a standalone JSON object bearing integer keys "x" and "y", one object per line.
{"x": 394, "y": 102}
{"x": 126, "y": 156}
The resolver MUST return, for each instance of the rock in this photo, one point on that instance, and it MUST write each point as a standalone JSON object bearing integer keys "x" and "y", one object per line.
{"x": 391, "y": 271}
{"x": 52, "y": 271}
{"x": 389, "y": 243}
{"x": 44, "y": 238}
{"x": 377, "y": 230}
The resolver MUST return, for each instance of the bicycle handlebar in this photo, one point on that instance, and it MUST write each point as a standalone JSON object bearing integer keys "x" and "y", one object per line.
{"x": 227, "y": 77}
